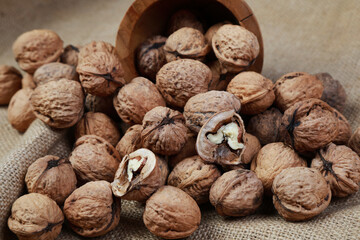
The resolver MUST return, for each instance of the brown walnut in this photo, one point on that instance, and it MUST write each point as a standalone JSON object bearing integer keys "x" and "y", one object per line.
{"x": 219, "y": 80}
{"x": 252, "y": 147}
{"x": 53, "y": 72}
{"x": 212, "y": 30}
{"x": 70, "y": 55}
{"x": 130, "y": 142}
{"x": 184, "y": 18}
{"x": 354, "y": 142}
{"x": 10, "y": 83}
{"x": 100, "y": 104}
{"x": 28, "y": 82}
{"x": 95, "y": 46}
{"x": 344, "y": 129}
{"x": 188, "y": 150}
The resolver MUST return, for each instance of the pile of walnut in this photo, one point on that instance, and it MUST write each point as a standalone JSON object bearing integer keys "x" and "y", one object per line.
{"x": 184, "y": 132}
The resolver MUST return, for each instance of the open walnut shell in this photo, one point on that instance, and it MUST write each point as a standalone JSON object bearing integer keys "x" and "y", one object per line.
{"x": 139, "y": 175}
{"x": 130, "y": 142}
{"x": 53, "y": 72}
{"x": 354, "y": 142}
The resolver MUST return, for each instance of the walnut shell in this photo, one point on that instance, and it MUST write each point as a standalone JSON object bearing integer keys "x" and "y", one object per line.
{"x": 100, "y": 104}
{"x": 354, "y": 142}
{"x": 254, "y": 91}
{"x": 92, "y": 210}
{"x": 252, "y": 147}
{"x": 235, "y": 47}
{"x": 184, "y": 18}
{"x": 164, "y": 131}
{"x": 344, "y": 133}
{"x": 35, "y": 217}
{"x": 295, "y": 87}
{"x": 219, "y": 80}
{"x": 53, "y": 72}
{"x": 340, "y": 166}
{"x": 20, "y": 114}
{"x": 202, "y": 106}
{"x": 35, "y": 48}
{"x": 10, "y": 83}
{"x": 130, "y": 142}
{"x": 300, "y": 193}
{"x": 236, "y": 193}
{"x": 70, "y": 55}
{"x": 179, "y": 80}
{"x": 98, "y": 124}
{"x": 59, "y": 104}
{"x": 188, "y": 150}
{"x": 95, "y": 46}
{"x": 28, "y": 82}
{"x": 271, "y": 160}
{"x": 93, "y": 158}
{"x": 212, "y": 30}
{"x": 170, "y": 213}
{"x": 309, "y": 125}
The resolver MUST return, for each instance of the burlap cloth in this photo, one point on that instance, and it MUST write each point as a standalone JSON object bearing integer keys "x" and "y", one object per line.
{"x": 312, "y": 36}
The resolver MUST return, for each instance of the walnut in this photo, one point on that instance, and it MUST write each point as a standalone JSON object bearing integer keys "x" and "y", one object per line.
{"x": 35, "y": 217}
{"x": 92, "y": 210}
{"x": 184, "y": 18}
{"x": 271, "y": 160}
{"x": 340, "y": 166}
{"x": 202, "y": 106}
{"x": 137, "y": 98}
{"x": 20, "y": 114}
{"x": 130, "y": 142}
{"x": 95, "y": 46}
{"x": 194, "y": 177}
{"x": 212, "y": 30}
{"x": 295, "y": 87}
{"x": 139, "y": 175}
{"x": 93, "y": 158}
{"x": 354, "y": 142}
{"x": 10, "y": 83}
{"x": 37, "y": 47}
{"x": 59, "y": 104}
{"x": 252, "y": 147}
{"x": 334, "y": 93}
{"x": 300, "y": 193}
{"x": 236, "y": 193}
{"x": 164, "y": 131}
{"x": 51, "y": 176}
{"x": 309, "y": 125}
{"x": 179, "y": 80}
{"x": 171, "y": 213}
{"x": 100, "y": 104}
{"x": 255, "y": 92}
{"x": 344, "y": 133}
{"x": 53, "y": 72}
{"x": 187, "y": 151}
{"x": 28, "y": 82}
{"x": 70, "y": 55}
{"x": 150, "y": 57}
{"x": 219, "y": 80}
{"x": 98, "y": 124}
{"x": 235, "y": 47}
{"x": 221, "y": 139}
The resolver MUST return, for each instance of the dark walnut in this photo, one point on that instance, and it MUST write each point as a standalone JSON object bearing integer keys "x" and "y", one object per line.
{"x": 139, "y": 175}
{"x": 344, "y": 129}
{"x": 187, "y": 151}
{"x": 309, "y": 125}
{"x": 164, "y": 131}
{"x": 70, "y": 55}
{"x": 28, "y": 82}
{"x": 340, "y": 166}
{"x": 170, "y": 213}
{"x": 51, "y": 176}
{"x": 93, "y": 158}
{"x": 184, "y": 18}
{"x": 100, "y": 104}
{"x": 236, "y": 193}
{"x": 53, "y": 72}
{"x": 219, "y": 80}
{"x": 35, "y": 217}
{"x": 254, "y": 91}
{"x": 92, "y": 210}
{"x": 202, "y": 106}
{"x": 180, "y": 80}
{"x": 265, "y": 126}
{"x": 10, "y": 83}
{"x": 194, "y": 177}
{"x": 130, "y": 142}
{"x": 300, "y": 193}
{"x": 295, "y": 87}
{"x": 37, "y": 47}
{"x": 59, "y": 104}
{"x": 354, "y": 142}
{"x": 252, "y": 147}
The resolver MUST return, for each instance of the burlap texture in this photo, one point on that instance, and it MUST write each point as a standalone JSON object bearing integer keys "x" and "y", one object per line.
{"x": 312, "y": 36}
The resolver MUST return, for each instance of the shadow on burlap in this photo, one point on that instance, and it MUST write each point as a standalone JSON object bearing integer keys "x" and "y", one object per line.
{"x": 312, "y": 36}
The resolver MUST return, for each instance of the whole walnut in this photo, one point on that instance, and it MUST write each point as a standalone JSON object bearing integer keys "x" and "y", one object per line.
{"x": 59, "y": 104}
{"x": 51, "y": 176}
{"x": 70, "y": 55}
{"x": 130, "y": 142}
{"x": 265, "y": 126}
{"x": 295, "y": 87}
{"x": 53, "y": 72}
{"x": 95, "y": 46}
{"x": 100, "y": 104}
{"x": 137, "y": 98}
{"x": 237, "y": 193}
{"x": 150, "y": 57}
{"x": 28, "y": 82}
{"x": 98, "y": 124}
{"x": 35, "y": 48}
{"x": 309, "y": 125}
{"x": 184, "y": 18}
{"x": 20, "y": 115}
{"x": 219, "y": 80}
{"x": 164, "y": 131}
{"x": 271, "y": 160}
{"x": 236, "y": 47}
{"x": 254, "y": 91}
{"x": 300, "y": 193}
{"x": 344, "y": 133}
{"x": 334, "y": 93}
{"x": 252, "y": 147}
{"x": 35, "y": 217}
{"x": 188, "y": 150}
{"x": 179, "y": 80}
{"x": 93, "y": 158}
{"x": 340, "y": 166}
{"x": 202, "y": 106}
{"x": 170, "y": 213}
{"x": 10, "y": 83}
{"x": 194, "y": 177}
{"x": 92, "y": 210}
{"x": 212, "y": 30}
{"x": 354, "y": 142}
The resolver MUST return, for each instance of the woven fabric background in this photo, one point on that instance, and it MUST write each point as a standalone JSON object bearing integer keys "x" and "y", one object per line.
{"x": 311, "y": 36}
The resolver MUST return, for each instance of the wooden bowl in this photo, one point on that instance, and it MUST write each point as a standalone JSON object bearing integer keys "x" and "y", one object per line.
{"x": 146, "y": 18}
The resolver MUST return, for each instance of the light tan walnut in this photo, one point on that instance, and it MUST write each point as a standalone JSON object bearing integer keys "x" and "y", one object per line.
{"x": 212, "y": 30}
{"x": 354, "y": 142}
{"x": 10, "y": 83}
{"x": 53, "y": 72}
{"x": 130, "y": 142}
{"x": 184, "y": 18}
